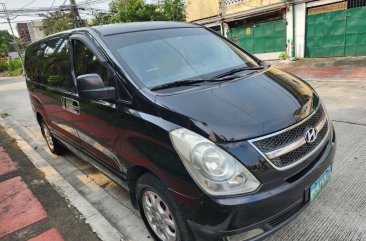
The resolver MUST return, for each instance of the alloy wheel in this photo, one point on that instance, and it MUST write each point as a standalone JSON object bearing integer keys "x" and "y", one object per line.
{"x": 159, "y": 216}
{"x": 48, "y": 136}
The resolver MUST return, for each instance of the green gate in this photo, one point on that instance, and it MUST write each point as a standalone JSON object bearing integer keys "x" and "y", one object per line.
{"x": 266, "y": 37}
{"x": 338, "y": 33}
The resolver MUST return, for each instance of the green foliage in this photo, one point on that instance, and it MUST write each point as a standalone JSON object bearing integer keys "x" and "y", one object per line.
{"x": 55, "y": 80}
{"x": 15, "y": 64}
{"x": 173, "y": 10}
{"x": 3, "y": 65}
{"x": 138, "y": 10}
{"x": 283, "y": 56}
{"x": 3, "y": 44}
{"x": 4, "y": 114}
{"x": 16, "y": 72}
{"x": 57, "y": 21}
{"x": 6, "y": 43}
{"x": 101, "y": 18}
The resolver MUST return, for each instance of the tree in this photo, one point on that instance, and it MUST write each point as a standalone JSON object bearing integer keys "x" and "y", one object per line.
{"x": 57, "y": 22}
{"x": 3, "y": 43}
{"x": 6, "y": 43}
{"x": 174, "y": 10}
{"x": 101, "y": 18}
{"x": 139, "y": 10}
{"x": 134, "y": 11}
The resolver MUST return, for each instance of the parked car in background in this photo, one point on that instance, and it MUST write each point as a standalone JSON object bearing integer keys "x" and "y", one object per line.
{"x": 211, "y": 142}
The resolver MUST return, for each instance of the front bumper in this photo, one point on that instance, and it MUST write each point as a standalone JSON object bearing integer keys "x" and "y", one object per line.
{"x": 269, "y": 210}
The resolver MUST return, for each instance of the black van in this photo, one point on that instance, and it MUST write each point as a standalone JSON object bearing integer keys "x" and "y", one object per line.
{"x": 211, "y": 142}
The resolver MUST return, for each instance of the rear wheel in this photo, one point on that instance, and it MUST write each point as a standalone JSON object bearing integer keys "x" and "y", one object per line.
{"x": 53, "y": 144}
{"x": 159, "y": 211}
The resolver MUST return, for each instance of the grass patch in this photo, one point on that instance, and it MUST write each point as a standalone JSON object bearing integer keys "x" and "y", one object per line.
{"x": 4, "y": 114}
{"x": 16, "y": 72}
{"x": 13, "y": 141}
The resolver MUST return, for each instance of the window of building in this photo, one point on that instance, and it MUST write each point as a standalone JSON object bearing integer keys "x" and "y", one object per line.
{"x": 231, "y": 2}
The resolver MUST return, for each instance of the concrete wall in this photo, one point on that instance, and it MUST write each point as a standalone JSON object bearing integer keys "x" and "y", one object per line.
{"x": 289, "y": 30}
{"x": 201, "y": 9}
{"x": 35, "y": 30}
{"x": 251, "y": 4}
{"x": 300, "y": 23}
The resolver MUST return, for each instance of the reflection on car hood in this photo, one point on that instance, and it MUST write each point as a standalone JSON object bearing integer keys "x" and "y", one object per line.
{"x": 242, "y": 109}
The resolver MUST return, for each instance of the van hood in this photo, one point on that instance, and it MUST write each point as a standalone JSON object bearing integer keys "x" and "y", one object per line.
{"x": 243, "y": 109}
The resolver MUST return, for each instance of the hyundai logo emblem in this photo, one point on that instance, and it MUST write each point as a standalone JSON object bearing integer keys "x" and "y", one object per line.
{"x": 310, "y": 135}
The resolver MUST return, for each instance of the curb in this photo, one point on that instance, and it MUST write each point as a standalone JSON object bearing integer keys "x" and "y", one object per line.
{"x": 93, "y": 217}
{"x": 336, "y": 80}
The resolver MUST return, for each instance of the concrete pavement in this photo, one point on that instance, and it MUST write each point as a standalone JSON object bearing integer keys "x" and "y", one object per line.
{"x": 30, "y": 208}
{"x": 330, "y": 69}
{"x": 338, "y": 214}
{"x": 99, "y": 196}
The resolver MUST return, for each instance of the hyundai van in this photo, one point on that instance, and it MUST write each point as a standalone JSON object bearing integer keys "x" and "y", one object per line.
{"x": 212, "y": 143}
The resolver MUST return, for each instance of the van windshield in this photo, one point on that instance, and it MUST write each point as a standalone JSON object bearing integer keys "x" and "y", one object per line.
{"x": 158, "y": 57}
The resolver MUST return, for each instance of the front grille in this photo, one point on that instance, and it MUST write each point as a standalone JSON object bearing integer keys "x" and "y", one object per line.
{"x": 298, "y": 153}
{"x": 283, "y": 139}
{"x": 294, "y": 134}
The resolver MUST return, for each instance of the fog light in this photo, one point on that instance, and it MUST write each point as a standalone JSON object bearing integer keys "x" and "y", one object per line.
{"x": 245, "y": 236}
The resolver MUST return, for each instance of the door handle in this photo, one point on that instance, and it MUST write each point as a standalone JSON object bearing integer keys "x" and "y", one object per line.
{"x": 70, "y": 105}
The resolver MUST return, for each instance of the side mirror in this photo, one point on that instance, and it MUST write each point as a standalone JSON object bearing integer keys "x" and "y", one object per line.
{"x": 91, "y": 87}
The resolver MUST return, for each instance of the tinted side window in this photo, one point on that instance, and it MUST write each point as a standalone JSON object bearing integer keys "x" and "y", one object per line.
{"x": 31, "y": 62}
{"x": 85, "y": 62}
{"x": 55, "y": 64}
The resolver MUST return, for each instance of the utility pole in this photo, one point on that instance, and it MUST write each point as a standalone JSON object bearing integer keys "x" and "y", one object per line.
{"x": 12, "y": 33}
{"x": 75, "y": 12}
{"x": 221, "y": 14}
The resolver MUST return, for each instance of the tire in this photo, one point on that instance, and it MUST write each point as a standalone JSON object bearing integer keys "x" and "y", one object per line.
{"x": 149, "y": 185}
{"x": 53, "y": 144}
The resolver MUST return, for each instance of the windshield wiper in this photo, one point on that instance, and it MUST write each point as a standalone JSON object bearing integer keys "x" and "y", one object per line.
{"x": 235, "y": 70}
{"x": 177, "y": 84}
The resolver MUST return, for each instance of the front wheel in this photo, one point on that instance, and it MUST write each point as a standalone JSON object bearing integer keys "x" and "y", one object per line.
{"x": 159, "y": 211}
{"x": 53, "y": 144}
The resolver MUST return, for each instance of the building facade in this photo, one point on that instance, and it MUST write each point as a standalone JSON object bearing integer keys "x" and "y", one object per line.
{"x": 266, "y": 28}
{"x": 30, "y": 31}
{"x": 36, "y": 30}
{"x": 23, "y": 32}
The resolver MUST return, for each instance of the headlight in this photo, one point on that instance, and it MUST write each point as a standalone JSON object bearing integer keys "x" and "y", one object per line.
{"x": 213, "y": 169}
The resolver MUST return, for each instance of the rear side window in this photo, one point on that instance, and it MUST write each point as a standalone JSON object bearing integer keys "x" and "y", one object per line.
{"x": 54, "y": 62}
{"x": 85, "y": 62}
{"x": 31, "y": 62}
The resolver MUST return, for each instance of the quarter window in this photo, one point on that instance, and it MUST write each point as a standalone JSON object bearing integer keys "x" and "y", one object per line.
{"x": 54, "y": 63}
{"x": 31, "y": 62}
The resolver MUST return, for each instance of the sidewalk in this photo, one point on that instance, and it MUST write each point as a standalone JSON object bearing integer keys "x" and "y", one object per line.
{"x": 335, "y": 69}
{"x": 30, "y": 209}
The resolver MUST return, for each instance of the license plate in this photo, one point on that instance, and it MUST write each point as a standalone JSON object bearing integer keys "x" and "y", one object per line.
{"x": 320, "y": 183}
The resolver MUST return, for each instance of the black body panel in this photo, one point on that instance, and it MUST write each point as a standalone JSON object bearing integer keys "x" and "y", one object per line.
{"x": 130, "y": 135}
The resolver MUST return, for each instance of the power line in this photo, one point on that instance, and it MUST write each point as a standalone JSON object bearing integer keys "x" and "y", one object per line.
{"x": 23, "y": 21}
{"x": 52, "y": 4}
{"x": 29, "y": 3}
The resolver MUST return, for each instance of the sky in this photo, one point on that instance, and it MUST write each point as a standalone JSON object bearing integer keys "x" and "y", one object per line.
{"x": 31, "y": 4}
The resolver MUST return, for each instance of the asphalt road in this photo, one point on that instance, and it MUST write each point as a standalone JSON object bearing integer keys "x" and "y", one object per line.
{"x": 339, "y": 213}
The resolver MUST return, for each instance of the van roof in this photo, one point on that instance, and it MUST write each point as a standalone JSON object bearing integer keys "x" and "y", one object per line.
{"x": 117, "y": 28}
{"x": 139, "y": 26}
